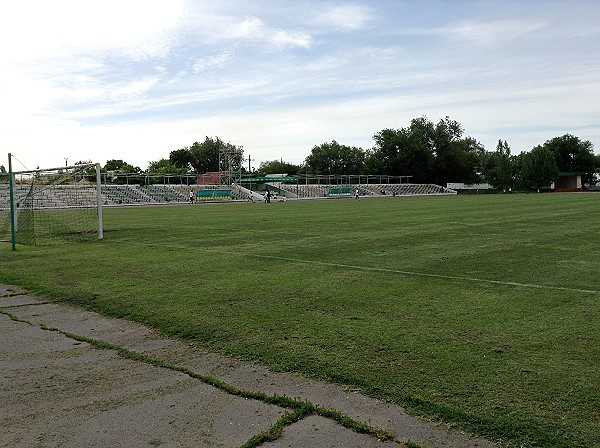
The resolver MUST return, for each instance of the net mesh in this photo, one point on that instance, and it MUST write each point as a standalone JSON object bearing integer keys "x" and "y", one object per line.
{"x": 53, "y": 205}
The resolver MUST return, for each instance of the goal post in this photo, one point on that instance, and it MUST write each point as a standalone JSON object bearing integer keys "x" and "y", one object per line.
{"x": 52, "y": 204}
{"x": 99, "y": 202}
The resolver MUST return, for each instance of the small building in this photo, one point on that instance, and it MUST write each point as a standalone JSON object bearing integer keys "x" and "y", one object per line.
{"x": 568, "y": 181}
{"x": 210, "y": 178}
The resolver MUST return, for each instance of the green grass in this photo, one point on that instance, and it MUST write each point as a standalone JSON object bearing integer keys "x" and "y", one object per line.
{"x": 481, "y": 311}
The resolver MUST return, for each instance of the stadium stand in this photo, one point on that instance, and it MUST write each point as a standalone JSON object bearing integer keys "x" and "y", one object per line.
{"x": 68, "y": 196}
{"x": 308, "y": 191}
{"x": 123, "y": 194}
{"x": 163, "y": 193}
{"x": 115, "y": 195}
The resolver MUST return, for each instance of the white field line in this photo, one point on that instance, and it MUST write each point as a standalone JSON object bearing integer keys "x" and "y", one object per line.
{"x": 424, "y": 274}
{"x": 386, "y": 270}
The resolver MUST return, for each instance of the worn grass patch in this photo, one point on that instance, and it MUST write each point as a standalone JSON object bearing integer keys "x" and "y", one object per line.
{"x": 480, "y": 311}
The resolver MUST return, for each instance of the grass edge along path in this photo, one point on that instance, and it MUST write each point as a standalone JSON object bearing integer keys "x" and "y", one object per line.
{"x": 298, "y": 409}
{"x": 500, "y": 431}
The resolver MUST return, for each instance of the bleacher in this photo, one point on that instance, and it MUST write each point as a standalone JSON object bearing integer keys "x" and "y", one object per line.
{"x": 43, "y": 198}
{"x": 4, "y": 197}
{"x": 115, "y": 195}
{"x": 419, "y": 189}
{"x": 69, "y": 196}
{"x": 123, "y": 194}
{"x": 308, "y": 191}
{"x": 316, "y": 191}
{"x": 163, "y": 193}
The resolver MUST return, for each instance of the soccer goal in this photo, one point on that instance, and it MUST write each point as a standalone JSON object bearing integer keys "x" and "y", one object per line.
{"x": 44, "y": 206}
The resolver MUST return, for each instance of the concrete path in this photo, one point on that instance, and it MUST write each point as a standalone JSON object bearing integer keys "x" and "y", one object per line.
{"x": 73, "y": 378}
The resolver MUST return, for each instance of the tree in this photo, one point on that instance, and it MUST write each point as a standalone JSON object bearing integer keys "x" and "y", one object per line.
{"x": 181, "y": 158}
{"x": 373, "y": 164}
{"x": 278, "y": 167}
{"x": 499, "y": 171}
{"x": 83, "y": 162}
{"x": 160, "y": 168}
{"x": 116, "y": 167}
{"x": 572, "y": 155}
{"x": 121, "y": 167}
{"x": 401, "y": 152}
{"x": 205, "y": 156}
{"x": 429, "y": 152}
{"x": 467, "y": 165}
{"x": 386, "y": 151}
{"x": 333, "y": 158}
{"x": 165, "y": 166}
{"x": 89, "y": 172}
{"x": 539, "y": 168}
{"x": 449, "y": 162}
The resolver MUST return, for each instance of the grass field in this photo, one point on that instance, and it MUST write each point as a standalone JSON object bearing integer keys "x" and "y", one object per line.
{"x": 480, "y": 311}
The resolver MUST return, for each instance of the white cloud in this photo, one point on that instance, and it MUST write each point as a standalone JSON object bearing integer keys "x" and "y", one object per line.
{"x": 345, "y": 17}
{"x": 326, "y": 63}
{"x": 212, "y": 62}
{"x": 283, "y": 39}
{"x": 136, "y": 88}
{"x": 491, "y": 32}
{"x": 253, "y": 29}
{"x": 59, "y": 28}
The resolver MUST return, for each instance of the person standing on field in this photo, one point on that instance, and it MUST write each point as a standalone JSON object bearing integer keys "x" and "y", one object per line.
{"x": 191, "y": 197}
{"x": 356, "y": 196}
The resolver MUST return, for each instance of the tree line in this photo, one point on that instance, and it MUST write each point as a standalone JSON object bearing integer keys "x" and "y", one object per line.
{"x": 430, "y": 152}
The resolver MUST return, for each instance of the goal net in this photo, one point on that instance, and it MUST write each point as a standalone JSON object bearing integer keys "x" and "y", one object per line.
{"x": 44, "y": 206}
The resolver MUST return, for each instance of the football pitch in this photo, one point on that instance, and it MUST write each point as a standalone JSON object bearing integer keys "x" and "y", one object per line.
{"x": 480, "y": 311}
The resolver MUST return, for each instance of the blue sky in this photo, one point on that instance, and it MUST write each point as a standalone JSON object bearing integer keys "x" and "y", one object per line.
{"x": 137, "y": 79}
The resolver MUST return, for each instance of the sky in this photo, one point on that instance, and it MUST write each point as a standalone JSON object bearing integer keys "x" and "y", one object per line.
{"x": 137, "y": 79}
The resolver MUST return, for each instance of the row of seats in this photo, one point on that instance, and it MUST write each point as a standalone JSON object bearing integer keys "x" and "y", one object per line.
{"x": 45, "y": 196}
{"x": 68, "y": 195}
{"x": 366, "y": 190}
